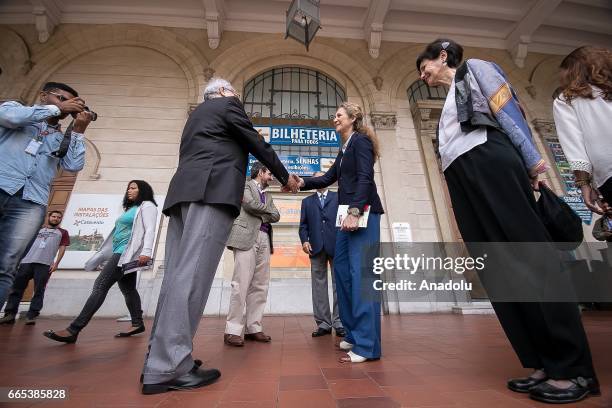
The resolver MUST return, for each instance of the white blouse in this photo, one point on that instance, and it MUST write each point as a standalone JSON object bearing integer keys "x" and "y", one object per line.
{"x": 453, "y": 142}
{"x": 585, "y": 133}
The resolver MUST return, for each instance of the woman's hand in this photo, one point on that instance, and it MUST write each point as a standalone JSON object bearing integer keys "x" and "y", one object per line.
{"x": 350, "y": 223}
{"x": 535, "y": 183}
{"x": 142, "y": 260}
{"x": 591, "y": 198}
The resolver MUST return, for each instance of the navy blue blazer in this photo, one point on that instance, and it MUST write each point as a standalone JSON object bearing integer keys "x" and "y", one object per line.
{"x": 318, "y": 225}
{"x": 355, "y": 176}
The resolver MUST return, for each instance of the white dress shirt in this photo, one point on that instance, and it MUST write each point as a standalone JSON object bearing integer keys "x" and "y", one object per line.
{"x": 585, "y": 133}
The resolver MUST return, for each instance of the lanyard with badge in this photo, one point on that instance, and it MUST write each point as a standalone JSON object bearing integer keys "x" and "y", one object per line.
{"x": 35, "y": 144}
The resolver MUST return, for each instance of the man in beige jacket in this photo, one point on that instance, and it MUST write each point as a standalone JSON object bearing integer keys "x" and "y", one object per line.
{"x": 251, "y": 241}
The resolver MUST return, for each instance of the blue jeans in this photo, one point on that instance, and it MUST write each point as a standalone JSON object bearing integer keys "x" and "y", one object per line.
{"x": 20, "y": 221}
{"x": 25, "y": 273}
{"x": 359, "y": 307}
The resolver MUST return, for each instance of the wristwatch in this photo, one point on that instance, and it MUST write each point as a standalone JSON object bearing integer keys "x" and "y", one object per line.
{"x": 354, "y": 211}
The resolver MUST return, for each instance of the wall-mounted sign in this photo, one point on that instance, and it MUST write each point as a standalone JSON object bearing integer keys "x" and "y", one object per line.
{"x": 574, "y": 195}
{"x": 301, "y": 165}
{"x": 89, "y": 219}
{"x": 299, "y": 136}
{"x": 289, "y": 209}
{"x": 577, "y": 204}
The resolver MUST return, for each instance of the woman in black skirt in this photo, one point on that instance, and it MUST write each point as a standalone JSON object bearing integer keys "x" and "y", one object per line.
{"x": 491, "y": 170}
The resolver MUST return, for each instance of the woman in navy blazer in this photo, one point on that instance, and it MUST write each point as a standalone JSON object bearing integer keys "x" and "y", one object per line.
{"x": 355, "y": 247}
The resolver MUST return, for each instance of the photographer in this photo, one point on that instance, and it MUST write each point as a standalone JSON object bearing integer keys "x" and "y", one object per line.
{"x": 31, "y": 152}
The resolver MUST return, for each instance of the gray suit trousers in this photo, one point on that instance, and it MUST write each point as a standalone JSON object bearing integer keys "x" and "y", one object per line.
{"x": 196, "y": 237}
{"x": 320, "y": 295}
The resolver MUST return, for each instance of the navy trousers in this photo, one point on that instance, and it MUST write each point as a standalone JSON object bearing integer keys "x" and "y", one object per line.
{"x": 359, "y": 309}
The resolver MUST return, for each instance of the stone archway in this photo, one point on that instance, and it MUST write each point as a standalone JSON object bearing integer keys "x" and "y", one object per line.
{"x": 65, "y": 48}
{"x": 15, "y": 62}
{"x": 258, "y": 55}
{"x": 141, "y": 97}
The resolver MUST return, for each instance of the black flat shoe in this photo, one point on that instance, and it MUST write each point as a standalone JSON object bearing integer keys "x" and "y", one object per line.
{"x": 523, "y": 385}
{"x": 580, "y": 389}
{"x": 321, "y": 332}
{"x": 195, "y": 378}
{"x": 136, "y": 330}
{"x": 62, "y": 339}
{"x": 340, "y": 332}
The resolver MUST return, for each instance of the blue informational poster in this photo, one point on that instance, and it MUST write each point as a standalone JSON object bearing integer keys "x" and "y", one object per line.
{"x": 301, "y": 165}
{"x": 574, "y": 195}
{"x": 577, "y": 204}
{"x": 300, "y": 136}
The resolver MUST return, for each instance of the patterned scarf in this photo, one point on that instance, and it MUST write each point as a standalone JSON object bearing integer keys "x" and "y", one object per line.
{"x": 494, "y": 103}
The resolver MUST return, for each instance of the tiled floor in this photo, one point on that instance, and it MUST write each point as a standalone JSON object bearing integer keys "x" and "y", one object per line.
{"x": 435, "y": 361}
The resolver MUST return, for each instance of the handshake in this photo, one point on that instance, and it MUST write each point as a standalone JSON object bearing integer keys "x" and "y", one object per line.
{"x": 294, "y": 184}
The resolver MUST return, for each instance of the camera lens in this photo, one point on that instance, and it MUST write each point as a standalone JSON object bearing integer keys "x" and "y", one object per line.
{"x": 94, "y": 115}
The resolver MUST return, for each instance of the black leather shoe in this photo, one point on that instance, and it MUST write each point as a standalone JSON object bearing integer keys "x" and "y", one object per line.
{"x": 582, "y": 388}
{"x": 195, "y": 378}
{"x": 523, "y": 385}
{"x": 340, "y": 332}
{"x": 321, "y": 332}
{"x": 62, "y": 339}
{"x": 132, "y": 332}
{"x": 196, "y": 365}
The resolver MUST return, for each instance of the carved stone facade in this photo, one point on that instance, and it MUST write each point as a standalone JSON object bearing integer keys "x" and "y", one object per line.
{"x": 383, "y": 120}
{"x": 158, "y": 74}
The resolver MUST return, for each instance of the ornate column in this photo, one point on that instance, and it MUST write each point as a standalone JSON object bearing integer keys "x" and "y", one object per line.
{"x": 383, "y": 120}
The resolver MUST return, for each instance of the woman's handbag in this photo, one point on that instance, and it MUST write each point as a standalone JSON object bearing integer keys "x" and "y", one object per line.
{"x": 562, "y": 223}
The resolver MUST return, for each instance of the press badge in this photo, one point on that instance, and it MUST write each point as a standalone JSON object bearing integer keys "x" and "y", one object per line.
{"x": 33, "y": 147}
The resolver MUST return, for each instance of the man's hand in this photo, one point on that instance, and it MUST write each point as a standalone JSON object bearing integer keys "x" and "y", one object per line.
{"x": 299, "y": 180}
{"x": 293, "y": 184}
{"x": 74, "y": 105}
{"x": 591, "y": 196}
{"x": 81, "y": 122}
{"x": 142, "y": 260}
{"x": 53, "y": 268}
{"x": 307, "y": 248}
{"x": 350, "y": 223}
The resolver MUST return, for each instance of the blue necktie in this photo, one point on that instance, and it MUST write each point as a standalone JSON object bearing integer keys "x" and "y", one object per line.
{"x": 322, "y": 199}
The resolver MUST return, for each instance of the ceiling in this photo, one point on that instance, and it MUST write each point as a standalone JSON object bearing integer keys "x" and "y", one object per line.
{"x": 519, "y": 26}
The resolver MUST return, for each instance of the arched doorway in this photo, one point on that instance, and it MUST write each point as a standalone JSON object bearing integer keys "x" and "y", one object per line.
{"x": 141, "y": 97}
{"x": 282, "y": 102}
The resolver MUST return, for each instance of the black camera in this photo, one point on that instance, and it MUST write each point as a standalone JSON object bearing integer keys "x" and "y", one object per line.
{"x": 65, "y": 143}
{"x": 94, "y": 115}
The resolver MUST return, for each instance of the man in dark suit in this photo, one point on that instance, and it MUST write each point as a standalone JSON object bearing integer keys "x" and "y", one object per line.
{"x": 318, "y": 236}
{"x": 203, "y": 199}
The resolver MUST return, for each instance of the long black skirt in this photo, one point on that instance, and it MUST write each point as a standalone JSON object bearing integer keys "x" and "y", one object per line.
{"x": 493, "y": 202}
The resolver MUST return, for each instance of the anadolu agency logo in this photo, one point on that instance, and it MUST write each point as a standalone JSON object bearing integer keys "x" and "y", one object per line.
{"x": 428, "y": 265}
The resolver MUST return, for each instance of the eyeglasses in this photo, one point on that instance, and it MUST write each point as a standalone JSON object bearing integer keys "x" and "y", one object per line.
{"x": 61, "y": 98}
